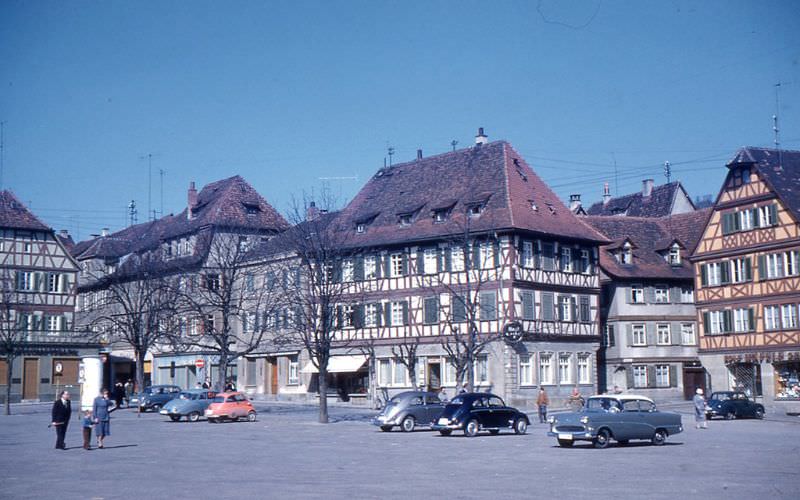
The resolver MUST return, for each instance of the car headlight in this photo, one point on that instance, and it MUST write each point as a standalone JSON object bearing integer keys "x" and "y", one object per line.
{"x": 584, "y": 420}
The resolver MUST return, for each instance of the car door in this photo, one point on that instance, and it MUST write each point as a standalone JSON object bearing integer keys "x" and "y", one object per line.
{"x": 433, "y": 407}
{"x": 499, "y": 412}
{"x": 480, "y": 411}
{"x": 627, "y": 424}
{"x": 416, "y": 408}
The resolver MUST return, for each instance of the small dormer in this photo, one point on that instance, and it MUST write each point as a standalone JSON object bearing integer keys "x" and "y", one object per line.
{"x": 624, "y": 252}
{"x": 364, "y": 221}
{"x": 441, "y": 212}
{"x": 673, "y": 254}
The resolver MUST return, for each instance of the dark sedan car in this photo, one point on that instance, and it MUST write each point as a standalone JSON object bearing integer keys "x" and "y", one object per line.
{"x": 732, "y": 404}
{"x": 476, "y": 411}
{"x": 154, "y": 397}
{"x": 409, "y": 410}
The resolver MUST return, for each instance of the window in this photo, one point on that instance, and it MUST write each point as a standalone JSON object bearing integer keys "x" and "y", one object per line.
{"x": 212, "y": 282}
{"x": 525, "y": 369}
{"x": 789, "y": 316}
{"x": 663, "y": 334}
{"x": 745, "y": 220}
{"x": 400, "y": 373}
{"x": 527, "y": 254}
{"x": 639, "y": 335}
{"x": 565, "y": 308}
{"x": 774, "y": 265}
{"x": 488, "y": 306}
{"x": 249, "y": 282}
{"x": 546, "y": 368}
{"x": 457, "y": 259}
{"x": 741, "y": 320}
{"x": 687, "y": 334}
{"x": 637, "y": 294}
{"x": 430, "y": 260}
{"x": 584, "y": 368}
{"x": 565, "y": 368}
{"x": 52, "y": 323}
{"x": 405, "y": 219}
{"x": 528, "y": 306}
{"x": 661, "y": 294}
{"x": 626, "y": 255}
{"x": 713, "y": 274}
{"x": 431, "y": 310}
{"x": 717, "y": 320}
{"x": 566, "y": 259}
{"x": 744, "y": 175}
{"x": 361, "y": 227}
{"x": 371, "y": 315}
{"x": 475, "y": 210}
{"x": 481, "y": 370}
{"x": 54, "y": 282}
{"x": 767, "y": 215}
{"x": 293, "y": 369}
{"x": 385, "y": 372}
{"x": 398, "y": 313}
{"x": 687, "y": 295}
{"x": 548, "y": 257}
{"x": 662, "y": 376}
{"x": 458, "y": 308}
{"x": 741, "y": 270}
{"x": 486, "y": 256}
{"x": 348, "y": 270}
{"x": 440, "y": 216}
{"x": 370, "y": 267}
{"x": 640, "y": 376}
{"x": 674, "y": 255}
{"x": 396, "y": 265}
{"x": 449, "y": 373}
{"x": 26, "y": 281}
{"x": 249, "y": 322}
{"x": 347, "y": 316}
{"x": 790, "y": 263}
{"x": 610, "y": 339}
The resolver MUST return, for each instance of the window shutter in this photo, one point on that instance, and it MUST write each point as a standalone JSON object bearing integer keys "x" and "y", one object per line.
{"x": 387, "y": 270}
{"x": 496, "y": 254}
{"x": 339, "y": 318}
{"x": 675, "y": 294}
{"x": 748, "y": 269}
{"x": 675, "y": 333}
{"x": 726, "y": 224}
{"x": 420, "y": 261}
{"x": 574, "y": 308}
{"x": 358, "y": 269}
{"x": 649, "y": 294}
{"x": 448, "y": 259}
{"x": 387, "y": 314}
{"x": 458, "y": 308}
{"x": 405, "y": 312}
{"x": 737, "y": 221}
{"x": 762, "y": 267}
{"x": 476, "y": 256}
{"x": 527, "y": 306}
{"x": 559, "y": 313}
{"x": 379, "y": 314}
{"x": 404, "y": 257}
{"x": 337, "y": 272}
{"x": 629, "y": 376}
{"x": 726, "y": 320}
{"x": 651, "y": 376}
{"x": 773, "y": 214}
{"x": 537, "y": 254}
{"x": 37, "y": 281}
{"x": 725, "y": 272}
{"x": 358, "y": 319}
{"x": 440, "y": 259}
{"x": 706, "y": 323}
{"x": 751, "y": 319}
{"x": 650, "y": 334}
{"x": 673, "y": 375}
{"x": 703, "y": 275}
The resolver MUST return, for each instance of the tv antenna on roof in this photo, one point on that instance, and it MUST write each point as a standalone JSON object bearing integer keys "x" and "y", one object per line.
{"x": 667, "y": 171}
{"x": 390, "y": 150}
{"x": 775, "y": 119}
{"x": 454, "y": 143}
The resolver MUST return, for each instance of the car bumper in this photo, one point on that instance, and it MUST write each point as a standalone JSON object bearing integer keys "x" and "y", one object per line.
{"x": 382, "y": 421}
{"x": 444, "y": 424}
{"x": 165, "y": 411}
{"x": 584, "y": 433}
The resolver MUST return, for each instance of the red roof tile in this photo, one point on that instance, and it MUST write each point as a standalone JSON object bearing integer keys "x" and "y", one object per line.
{"x": 15, "y": 215}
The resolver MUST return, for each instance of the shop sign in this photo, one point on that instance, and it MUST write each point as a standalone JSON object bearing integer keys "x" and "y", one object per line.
{"x": 513, "y": 332}
{"x": 763, "y": 357}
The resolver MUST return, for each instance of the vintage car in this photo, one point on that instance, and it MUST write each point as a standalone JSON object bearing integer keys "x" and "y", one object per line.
{"x": 621, "y": 417}
{"x": 732, "y": 404}
{"x": 190, "y": 404}
{"x": 230, "y": 406}
{"x": 479, "y": 411}
{"x": 154, "y": 397}
{"x": 409, "y": 410}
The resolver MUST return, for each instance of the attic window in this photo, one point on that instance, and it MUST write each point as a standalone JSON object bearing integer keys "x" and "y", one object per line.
{"x": 534, "y": 206}
{"x": 404, "y": 219}
{"x": 744, "y": 175}
{"x": 475, "y": 210}
{"x": 252, "y": 208}
{"x": 674, "y": 255}
{"x": 361, "y": 227}
{"x": 626, "y": 254}
{"x": 440, "y": 215}
{"x": 551, "y": 208}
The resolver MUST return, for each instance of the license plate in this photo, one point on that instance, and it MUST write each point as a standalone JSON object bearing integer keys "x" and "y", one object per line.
{"x": 566, "y": 437}
{"x": 443, "y": 421}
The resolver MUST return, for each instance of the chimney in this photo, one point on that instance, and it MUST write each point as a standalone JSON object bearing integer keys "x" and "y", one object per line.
{"x": 481, "y": 137}
{"x": 64, "y": 233}
{"x": 606, "y": 194}
{"x": 574, "y": 202}
{"x": 419, "y": 154}
{"x": 312, "y": 212}
{"x": 104, "y": 232}
{"x": 191, "y": 201}
{"x": 647, "y": 187}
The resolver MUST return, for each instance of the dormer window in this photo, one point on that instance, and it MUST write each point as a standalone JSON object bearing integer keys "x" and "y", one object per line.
{"x": 744, "y": 175}
{"x": 674, "y": 255}
{"x": 252, "y": 208}
{"x": 551, "y": 208}
{"x": 361, "y": 227}
{"x": 404, "y": 219}
{"x": 475, "y": 210}
{"x": 440, "y": 216}
{"x": 534, "y": 206}
{"x": 626, "y": 254}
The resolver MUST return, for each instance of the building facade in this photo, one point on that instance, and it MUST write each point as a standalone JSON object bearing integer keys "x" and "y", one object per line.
{"x": 39, "y": 279}
{"x": 748, "y": 280}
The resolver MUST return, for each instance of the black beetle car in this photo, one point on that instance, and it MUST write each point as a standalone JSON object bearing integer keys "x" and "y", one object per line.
{"x": 732, "y": 404}
{"x": 477, "y": 411}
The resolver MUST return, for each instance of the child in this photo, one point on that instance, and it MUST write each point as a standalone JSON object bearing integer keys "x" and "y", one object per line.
{"x": 88, "y": 423}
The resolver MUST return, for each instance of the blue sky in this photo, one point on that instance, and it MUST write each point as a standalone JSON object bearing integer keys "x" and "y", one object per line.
{"x": 288, "y": 93}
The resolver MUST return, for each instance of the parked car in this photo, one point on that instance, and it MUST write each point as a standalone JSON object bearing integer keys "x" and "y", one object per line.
{"x": 190, "y": 404}
{"x": 732, "y": 404}
{"x": 230, "y": 406}
{"x": 154, "y": 397}
{"x": 620, "y": 417}
{"x": 479, "y": 411}
{"x": 409, "y": 410}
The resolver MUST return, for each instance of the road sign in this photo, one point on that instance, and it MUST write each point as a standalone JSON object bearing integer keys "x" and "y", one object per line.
{"x": 199, "y": 363}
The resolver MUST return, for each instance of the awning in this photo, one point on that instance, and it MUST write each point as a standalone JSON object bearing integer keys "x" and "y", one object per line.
{"x": 339, "y": 364}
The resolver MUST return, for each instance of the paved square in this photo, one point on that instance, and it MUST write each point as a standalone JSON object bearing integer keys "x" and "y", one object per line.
{"x": 286, "y": 453}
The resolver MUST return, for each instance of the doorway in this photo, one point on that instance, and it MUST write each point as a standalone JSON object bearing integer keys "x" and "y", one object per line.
{"x": 693, "y": 378}
{"x": 434, "y": 376}
{"x": 30, "y": 379}
{"x": 273, "y": 375}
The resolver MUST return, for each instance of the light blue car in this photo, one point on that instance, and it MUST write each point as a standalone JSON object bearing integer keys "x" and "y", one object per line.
{"x": 191, "y": 404}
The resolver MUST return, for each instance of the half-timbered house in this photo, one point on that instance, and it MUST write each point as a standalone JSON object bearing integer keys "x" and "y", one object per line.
{"x": 747, "y": 275}
{"x": 38, "y": 279}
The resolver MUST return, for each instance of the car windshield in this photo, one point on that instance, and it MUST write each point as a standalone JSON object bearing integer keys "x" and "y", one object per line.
{"x": 458, "y": 400}
{"x": 721, "y": 396}
{"x": 219, "y": 399}
{"x": 186, "y": 395}
{"x": 606, "y": 404}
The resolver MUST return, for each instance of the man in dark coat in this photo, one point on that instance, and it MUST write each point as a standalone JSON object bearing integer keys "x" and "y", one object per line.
{"x": 62, "y": 410}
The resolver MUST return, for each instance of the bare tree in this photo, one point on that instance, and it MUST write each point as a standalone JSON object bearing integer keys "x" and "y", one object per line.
{"x": 227, "y": 303}
{"x": 13, "y": 336}
{"x": 404, "y": 351}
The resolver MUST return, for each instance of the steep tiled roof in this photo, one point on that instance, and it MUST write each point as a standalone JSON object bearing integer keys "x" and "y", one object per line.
{"x": 658, "y": 204}
{"x": 14, "y": 214}
{"x": 228, "y": 203}
{"x": 491, "y": 175}
{"x": 650, "y": 237}
{"x": 780, "y": 169}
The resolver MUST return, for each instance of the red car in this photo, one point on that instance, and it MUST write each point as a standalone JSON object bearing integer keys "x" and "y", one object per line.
{"x": 230, "y": 406}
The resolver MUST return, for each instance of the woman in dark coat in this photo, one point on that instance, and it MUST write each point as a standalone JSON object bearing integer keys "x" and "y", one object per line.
{"x": 101, "y": 409}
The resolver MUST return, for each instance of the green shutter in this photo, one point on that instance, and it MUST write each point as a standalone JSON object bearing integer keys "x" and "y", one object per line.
{"x": 751, "y": 319}
{"x": 650, "y": 334}
{"x": 748, "y": 269}
{"x": 405, "y": 312}
{"x": 420, "y": 261}
{"x": 387, "y": 314}
{"x": 706, "y": 323}
{"x": 405, "y": 263}
{"x": 548, "y": 306}
{"x": 528, "y": 306}
{"x": 358, "y": 269}
{"x": 726, "y": 224}
{"x": 725, "y": 272}
{"x": 537, "y": 255}
{"x": 448, "y": 259}
{"x": 387, "y": 270}
{"x": 476, "y": 256}
{"x": 737, "y": 221}
{"x": 439, "y": 259}
{"x": 773, "y": 214}
{"x": 703, "y": 275}
{"x": 651, "y": 376}
{"x": 574, "y": 306}
{"x": 379, "y": 314}
{"x": 629, "y": 376}
{"x": 496, "y": 253}
{"x": 726, "y": 320}
{"x": 762, "y": 267}
{"x": 673, "y": 375}
{"x": 754, "y": 217}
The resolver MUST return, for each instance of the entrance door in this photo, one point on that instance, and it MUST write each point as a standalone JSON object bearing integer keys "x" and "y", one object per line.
{"x": 434, "y": 376}
{"x": 273, "y": 376}
{"x": 30, "y": 379}
{"x": 692, "y": 379}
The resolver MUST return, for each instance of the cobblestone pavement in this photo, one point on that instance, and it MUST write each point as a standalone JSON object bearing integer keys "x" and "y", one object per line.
{"x": 286, "y": 453}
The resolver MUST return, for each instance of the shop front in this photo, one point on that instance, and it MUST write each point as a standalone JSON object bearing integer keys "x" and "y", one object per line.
{"x": 773, "y": 375}
{"x": 347, "y": 378}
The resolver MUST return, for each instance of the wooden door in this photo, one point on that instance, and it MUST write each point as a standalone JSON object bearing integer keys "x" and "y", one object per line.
{"x": 30, "y": 379}
{"x": 273, "y": 379}
{"x": 693, "y": 378}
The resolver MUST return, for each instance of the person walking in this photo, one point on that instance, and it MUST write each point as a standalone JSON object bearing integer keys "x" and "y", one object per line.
{"x": 59, "y": 418}
{"x": 699, "y": 409}
{"x": 128, "y": 392}
{"x": 88, "y": 423}
{"x": 119, "y": 394}
{"x": 101, "y": 409}
{"x": 542, "y": 401}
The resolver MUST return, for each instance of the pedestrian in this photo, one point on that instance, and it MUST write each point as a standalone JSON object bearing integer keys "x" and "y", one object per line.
{"x": 463, "y": 389}
{"x": 541, "y": 402}
{"x": 88, "y": 423}
{"x": 128, "y": 392}
{"x": 59, "y": 418}
{"x": 119, "y": 394}
{"x": 207, "y": 384}
{"x": 575, "y": 399}
{"x": 699, "y": 409}
{"x": 442, "y": 394}
{"x": 101, "y": 409}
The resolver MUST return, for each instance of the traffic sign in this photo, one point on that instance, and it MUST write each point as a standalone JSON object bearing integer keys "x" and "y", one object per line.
{"x": 199, "y": 363}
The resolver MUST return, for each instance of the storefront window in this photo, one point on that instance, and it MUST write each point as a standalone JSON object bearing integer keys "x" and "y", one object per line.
{"x": 787, "y": 380}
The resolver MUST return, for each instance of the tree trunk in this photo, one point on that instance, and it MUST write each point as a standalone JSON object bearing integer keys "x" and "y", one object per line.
{"x": 139, "y": 371}
{"x": 9, "y": 369}
{"x": 412, "y": 374}
{"x": 222, "y": 372}
{"x": 323, "y": 393}
{"x": 373, "y": 383}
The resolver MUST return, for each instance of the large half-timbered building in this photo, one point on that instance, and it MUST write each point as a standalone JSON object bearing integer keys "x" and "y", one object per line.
{"x": 37, "y": 297}
{"x": 747, "y": 272}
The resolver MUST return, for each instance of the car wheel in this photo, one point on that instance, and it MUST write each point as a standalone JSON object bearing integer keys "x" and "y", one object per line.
{"x": 520, "y": 426}
{"x": 408, "y": 424}
{"x": 566, "y": 443}
{"x": 194, "y": 416}
{"x": 603, "y": 439}
{"x": 175, "y": 418}
{"x": 730, "y": 415}
{"x": 445, "y": 432}
{"x": 156, "y": 407}
{"x": 251, "y": 417}
{"x": 494, "y": 432}
{"x": 471, "y": 429}
{"x": 659, "y": 438}
{"x": 386, "y": 428}
{"x": 759, "y": 413}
